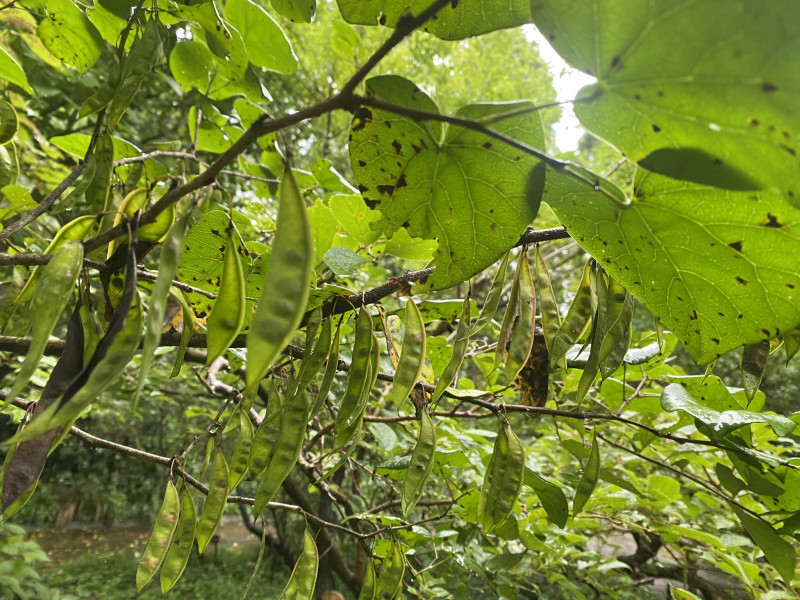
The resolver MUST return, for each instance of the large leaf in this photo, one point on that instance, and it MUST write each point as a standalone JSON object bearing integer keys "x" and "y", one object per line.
{"x": 707, "y": 90}
{"x": 461, "y": 187}
{"x": 457, "y": 20}
{"x": 719, "y": 268}
{"x": 264, "y": 40}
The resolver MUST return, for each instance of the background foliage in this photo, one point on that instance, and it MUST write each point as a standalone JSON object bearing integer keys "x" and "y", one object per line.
{"x": 530, "y": 424}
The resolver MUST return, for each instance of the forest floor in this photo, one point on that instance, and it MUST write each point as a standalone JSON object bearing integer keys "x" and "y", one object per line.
{"x": 65, "y": 544}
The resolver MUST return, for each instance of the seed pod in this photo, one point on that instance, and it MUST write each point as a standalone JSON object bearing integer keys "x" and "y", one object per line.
{"x": 574, "y": 323}
{"x": 412, "y": 355}
{"x": 182, "y": 543}
{"x": 368, "y": 587}
{"x": 157, "y": 307}
{"x": 356, "y": 380}
{"x": 390, "y": 581}
{"x": 421, "y": 465}
{"x": 459, "y": 349}
{"x": 160, "y": 538}
{"x": 492, "y": 298}
{"x": 244, "y": 444}
{"x": 522, "y": 337}
{"x": 52, "y": 294}
{"x": 215, "y": 503}
{"x": 286, "y": 451}
{"x": 286, "y": 284}
{"x": 227, "y": 314}
{"x": 304, "y": 576}
{"x": 591, "y": 472}
{"x": 503, "y": 480}
{"x": 551, "y": 320}
{"x": 97, "y": 192}
{"x": 328, "y": 377}
{"x": 509, "y": 316}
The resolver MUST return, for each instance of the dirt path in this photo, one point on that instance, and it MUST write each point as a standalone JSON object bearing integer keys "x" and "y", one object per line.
{"x": 62, "y": 545}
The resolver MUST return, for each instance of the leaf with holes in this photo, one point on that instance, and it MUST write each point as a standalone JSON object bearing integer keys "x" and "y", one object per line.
{"x": 718, "y": 108}
{"x": 445, "y": 182}
{"x": 719, "y": 268}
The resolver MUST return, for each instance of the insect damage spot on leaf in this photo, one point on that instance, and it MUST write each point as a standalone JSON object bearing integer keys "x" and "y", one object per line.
{"x": 401, "y": 181}
{"x": 772, "y": 221}
{"x": 398, "y": 147}
{"x": 736, "y": 246}
{"x": 656, "y": 128}
{"x": 741, "y": 281}
{"x": 768, "y": 87}
{"x": 789, "y": 150}
{"x": 753, "y": 122}
{"x": 361, "y": 118}
{"x": 386, "y": 190}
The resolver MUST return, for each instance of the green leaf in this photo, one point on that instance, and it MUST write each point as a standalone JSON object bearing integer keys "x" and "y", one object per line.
{"x": 192, "y": 65}
{"x": 455, "y": 21}
{"x": 343, "y": 261}
{"x": 719, "y": 268}
{"x": 550, "y": 495}
{"x": 681, "y": 594}
{"x": 676, "y": 397}
{"x": 11, "y": 71}
{"x": 299, "y": 11}
{"x": 718, "y": 108}
{"x": 324, "y": 227}
{"x": 404, "y": 246}
{"x": 355, "y": 217}
{"x": 69, "y": 35}
{"x": 264, "y": 40}
{"x": 777, "y": 551}
{"x": 445, "y": 182}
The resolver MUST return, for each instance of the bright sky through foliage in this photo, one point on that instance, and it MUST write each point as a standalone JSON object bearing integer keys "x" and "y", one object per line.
{"x": 567, "y": 81}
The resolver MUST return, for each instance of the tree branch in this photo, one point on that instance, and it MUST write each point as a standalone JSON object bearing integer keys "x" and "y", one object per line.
{"x": 565, "y": 167}
{"x": 45, "y": 204}
{"x": 265, "y": 125}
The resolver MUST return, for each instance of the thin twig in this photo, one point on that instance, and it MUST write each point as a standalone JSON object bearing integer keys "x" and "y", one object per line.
{"x": 45, "y": 204}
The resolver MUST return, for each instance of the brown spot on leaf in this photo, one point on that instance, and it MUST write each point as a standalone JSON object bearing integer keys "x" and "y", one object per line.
{"x": 791, "y": 151}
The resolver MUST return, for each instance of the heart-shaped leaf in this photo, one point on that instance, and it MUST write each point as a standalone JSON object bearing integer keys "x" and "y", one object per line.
{"x": 473, "y": 193}
{"x": 715, "y": 80}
